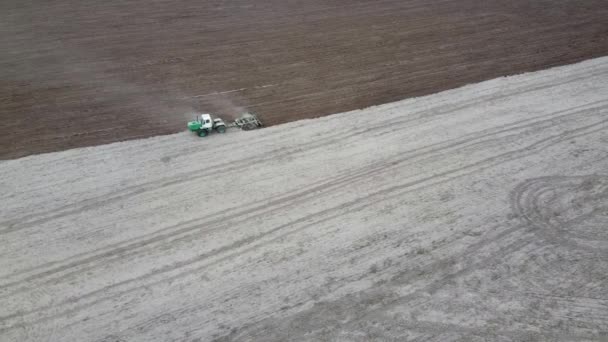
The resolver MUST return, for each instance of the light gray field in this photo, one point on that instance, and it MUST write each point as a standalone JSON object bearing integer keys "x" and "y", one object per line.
{"x": 478, "y": 214}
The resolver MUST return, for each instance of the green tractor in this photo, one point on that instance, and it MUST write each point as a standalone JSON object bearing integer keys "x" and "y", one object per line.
{"x": 204, "y": 124}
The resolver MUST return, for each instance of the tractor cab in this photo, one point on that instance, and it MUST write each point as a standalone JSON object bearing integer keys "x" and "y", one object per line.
{"x": 206, "y": 121}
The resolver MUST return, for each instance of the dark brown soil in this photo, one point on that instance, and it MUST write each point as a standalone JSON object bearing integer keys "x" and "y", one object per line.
{"x": 83, "y": 72}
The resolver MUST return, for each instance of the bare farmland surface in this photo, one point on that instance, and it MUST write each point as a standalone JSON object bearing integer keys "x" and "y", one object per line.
{"x": 83, "y": 72}
{"x": 477, "y": 214}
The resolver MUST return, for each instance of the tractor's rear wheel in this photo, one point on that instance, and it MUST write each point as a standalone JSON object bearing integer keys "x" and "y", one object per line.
{"x": 202, "y": 133}
{"x": 221, "y": 129}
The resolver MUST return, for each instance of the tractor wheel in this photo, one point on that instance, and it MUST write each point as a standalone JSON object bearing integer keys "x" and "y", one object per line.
{"x": 221, "y": 129}
{"x": 202, "y": 133}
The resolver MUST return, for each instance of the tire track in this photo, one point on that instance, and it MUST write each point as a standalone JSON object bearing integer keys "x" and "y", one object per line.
{"x": 553, "y": 115}
{"x": 383, "y": 194}
{"x": 474, "y": 257}
{"x": 568, "y": 214}
{"x": 556, "y": 204}
{"x": 221, "y": 222}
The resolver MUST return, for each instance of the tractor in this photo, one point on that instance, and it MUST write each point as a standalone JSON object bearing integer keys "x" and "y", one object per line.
{"x": 203, "y": 125}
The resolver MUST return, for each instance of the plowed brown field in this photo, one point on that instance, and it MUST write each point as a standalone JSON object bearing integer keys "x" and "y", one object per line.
{"x": 78, "y": 73}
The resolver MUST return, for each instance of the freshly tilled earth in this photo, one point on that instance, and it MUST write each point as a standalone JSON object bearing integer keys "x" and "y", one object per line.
{"x": 85, "y": 72}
